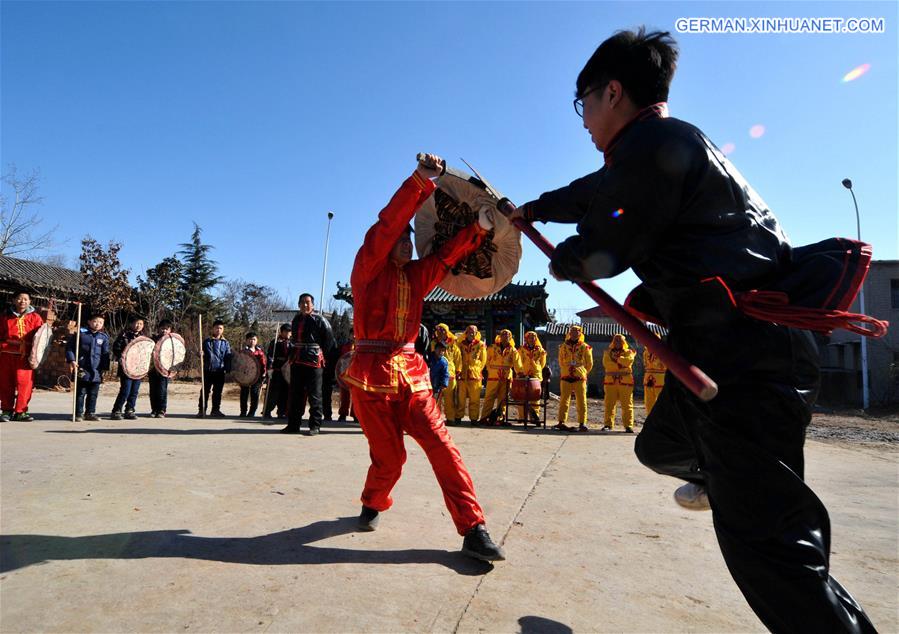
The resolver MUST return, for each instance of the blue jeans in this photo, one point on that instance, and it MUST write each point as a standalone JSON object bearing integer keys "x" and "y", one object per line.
{"x": 88, "y": 392}
{"x": 128, "y": 389}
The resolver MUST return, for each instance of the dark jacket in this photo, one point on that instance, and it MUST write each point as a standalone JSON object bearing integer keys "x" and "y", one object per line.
{"x": 121, "y": 342}
{"x": 216, "y": 355}
{"x": 312, "y": 339}
{"x": 93, "y": 356}
{"x": 280, "y": 354}
{"x": 669, "y": 204}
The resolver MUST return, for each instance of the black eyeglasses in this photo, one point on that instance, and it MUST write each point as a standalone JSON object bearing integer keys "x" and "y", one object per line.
{"x": 579, "y": 102}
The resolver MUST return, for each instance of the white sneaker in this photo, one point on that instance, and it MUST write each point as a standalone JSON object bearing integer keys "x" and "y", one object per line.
{"x": 692, "y": 496}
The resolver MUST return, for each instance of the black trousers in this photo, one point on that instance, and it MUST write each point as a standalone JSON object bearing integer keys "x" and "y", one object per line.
{"x": 305, "y": 386}
{"x": 746, "y": 447}
{"x": 250, "y": 393}
{"x": 279, "y": 393}
{"x": 159, "y": 392}
{"x": 215, "y": 381}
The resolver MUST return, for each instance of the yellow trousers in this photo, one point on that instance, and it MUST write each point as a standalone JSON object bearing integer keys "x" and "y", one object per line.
{"x": 650, "y": 394}
{"x": 469, "y": 390}
{"x": 579, "y": 390}
{"x": 448, "y": 399}
{"x": 615, "y": 394}
{"x": 496, "y": 392}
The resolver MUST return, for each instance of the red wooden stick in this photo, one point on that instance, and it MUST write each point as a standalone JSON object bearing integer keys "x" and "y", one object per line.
{"x": 691, "y": 376}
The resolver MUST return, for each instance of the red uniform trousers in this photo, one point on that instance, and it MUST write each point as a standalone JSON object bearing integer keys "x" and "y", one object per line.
{"x": 16, "y": 376}
{"x": 384, "y": 418}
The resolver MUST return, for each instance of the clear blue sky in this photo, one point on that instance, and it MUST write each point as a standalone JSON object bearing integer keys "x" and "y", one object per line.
{"x": 255, "y": 119}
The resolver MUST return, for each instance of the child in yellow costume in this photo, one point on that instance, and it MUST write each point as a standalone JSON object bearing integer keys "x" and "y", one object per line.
{"x": 453, "y": 357}
{"x": 618, "y": 362}
{"x": 502, "y": 359}
{"x": 653, "y": 379}
{"x": 531, "y": 361}
{"x": 474, "y": 356}
{"x": 575, "y": 363}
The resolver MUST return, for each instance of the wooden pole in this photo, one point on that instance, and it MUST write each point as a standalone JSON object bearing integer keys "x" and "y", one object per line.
{"x": 202, "y": 377}
{"x": 77, "y": 356}
{"x": 692, "y": 377}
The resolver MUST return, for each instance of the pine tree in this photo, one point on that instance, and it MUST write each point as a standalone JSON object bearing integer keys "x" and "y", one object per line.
{"x": 198, "y": 277}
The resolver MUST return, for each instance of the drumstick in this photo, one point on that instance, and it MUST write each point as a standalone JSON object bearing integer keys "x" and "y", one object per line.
{"x": 422, "y": 158}
{"x": 77, "y": 355}
{"x": 202, "y": 377}
{"x": 692, "y": 377}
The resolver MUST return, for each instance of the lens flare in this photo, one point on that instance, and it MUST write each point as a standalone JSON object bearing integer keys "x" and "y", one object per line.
{"x": 856, "y": 72}
{"x": 617, "y": 213}
{"x": 757, "y": 131}
{"x": 728, "y": 148}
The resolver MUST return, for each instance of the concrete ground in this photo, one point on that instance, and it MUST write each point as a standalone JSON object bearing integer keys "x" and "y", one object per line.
{"x": 225, "y": 525}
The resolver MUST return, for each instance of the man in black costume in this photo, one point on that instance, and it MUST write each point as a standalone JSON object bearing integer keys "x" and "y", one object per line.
{"x": 311, "y": 339}
{"x": 668, "y": 204}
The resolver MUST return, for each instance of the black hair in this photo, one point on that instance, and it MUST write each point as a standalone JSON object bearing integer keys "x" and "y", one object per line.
{"x": 165, "y": 323}
{"x": 439, "y": 346}
{"x": 309, "y": 295}
{"x": 249, "y": 335}
{"x": 94, "y": 315}
{"x": 218, "y": 322}
{"x": 19, "y": 290}
{"x": 643, "y": 62}
{"x": 284, "y": 327}
{"x": 134, "y": 319}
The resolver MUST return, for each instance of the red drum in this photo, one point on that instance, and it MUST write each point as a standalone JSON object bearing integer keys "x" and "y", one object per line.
{"x": 526, "y": 389}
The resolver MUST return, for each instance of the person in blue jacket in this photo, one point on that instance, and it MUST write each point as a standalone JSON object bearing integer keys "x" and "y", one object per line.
{"x": 92, "y": 361}
{"x": 439, "y": 370}
{"x": 216, "y": 362}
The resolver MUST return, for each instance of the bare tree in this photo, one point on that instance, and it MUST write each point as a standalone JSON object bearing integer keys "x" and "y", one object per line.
{"x": 19, "y": 222}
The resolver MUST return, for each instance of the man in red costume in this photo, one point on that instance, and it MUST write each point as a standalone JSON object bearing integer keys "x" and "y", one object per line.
{"x": 390, "y": 385}
{"x": 17, "y": 329}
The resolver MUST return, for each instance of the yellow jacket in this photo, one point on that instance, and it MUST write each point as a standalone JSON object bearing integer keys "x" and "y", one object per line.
{"x": 501, "y": 362}
{"x": 453, "y": 355}
{"x": 531, "y": 361}
{"x": 654, "y": 370}
{"x": 575, "y": 359}
{"x": 474, "y": 357}
{"x": 618, "y": 364}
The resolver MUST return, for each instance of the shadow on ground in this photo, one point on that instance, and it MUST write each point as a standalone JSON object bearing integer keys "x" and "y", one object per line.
{"x": 540, "y": 625}
{"x": 290, "y": 547}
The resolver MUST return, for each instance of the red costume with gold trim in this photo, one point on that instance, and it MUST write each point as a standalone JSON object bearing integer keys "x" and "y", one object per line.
{"x": 16, "y": 375}
{"x": 390, "y": 383}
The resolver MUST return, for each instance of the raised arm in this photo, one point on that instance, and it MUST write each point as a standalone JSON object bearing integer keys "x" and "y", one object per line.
{"x": 392, "y": 221}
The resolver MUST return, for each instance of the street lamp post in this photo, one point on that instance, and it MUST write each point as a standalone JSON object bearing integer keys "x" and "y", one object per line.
{"x": 321, "y": 297}
{"x": 861, "y": 302}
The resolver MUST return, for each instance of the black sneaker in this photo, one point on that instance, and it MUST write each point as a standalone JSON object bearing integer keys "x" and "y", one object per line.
{"x": 478, "y": 544}
{"x": 130, "y": 415}
{"x": 629, "y": 430}
{"x": 314, "y": 431}
{"x": 291, "y": 429}
{"x": 116, "y": 416}
{"x": 201, "y": 414}
{"x": 341, "y": 419}
{"x": 368, "y": 519}
{"x": 23, "y": 417}
{"x": 5, "y": 416}
{"x": 91, "y": 417}
{"x": 160, "y": 414}
{"x": 218, "y": 413}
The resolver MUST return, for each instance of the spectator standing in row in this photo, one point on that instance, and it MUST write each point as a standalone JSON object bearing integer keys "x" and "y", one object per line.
{"x": 89, "y": 362}
{"x": 216, "y": 362}
{"x": 128, "y": 387}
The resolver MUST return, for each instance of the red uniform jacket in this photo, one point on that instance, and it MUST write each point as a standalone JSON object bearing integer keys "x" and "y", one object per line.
{"x": 17, "y": 333}
{"x": 388, "y": 299}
